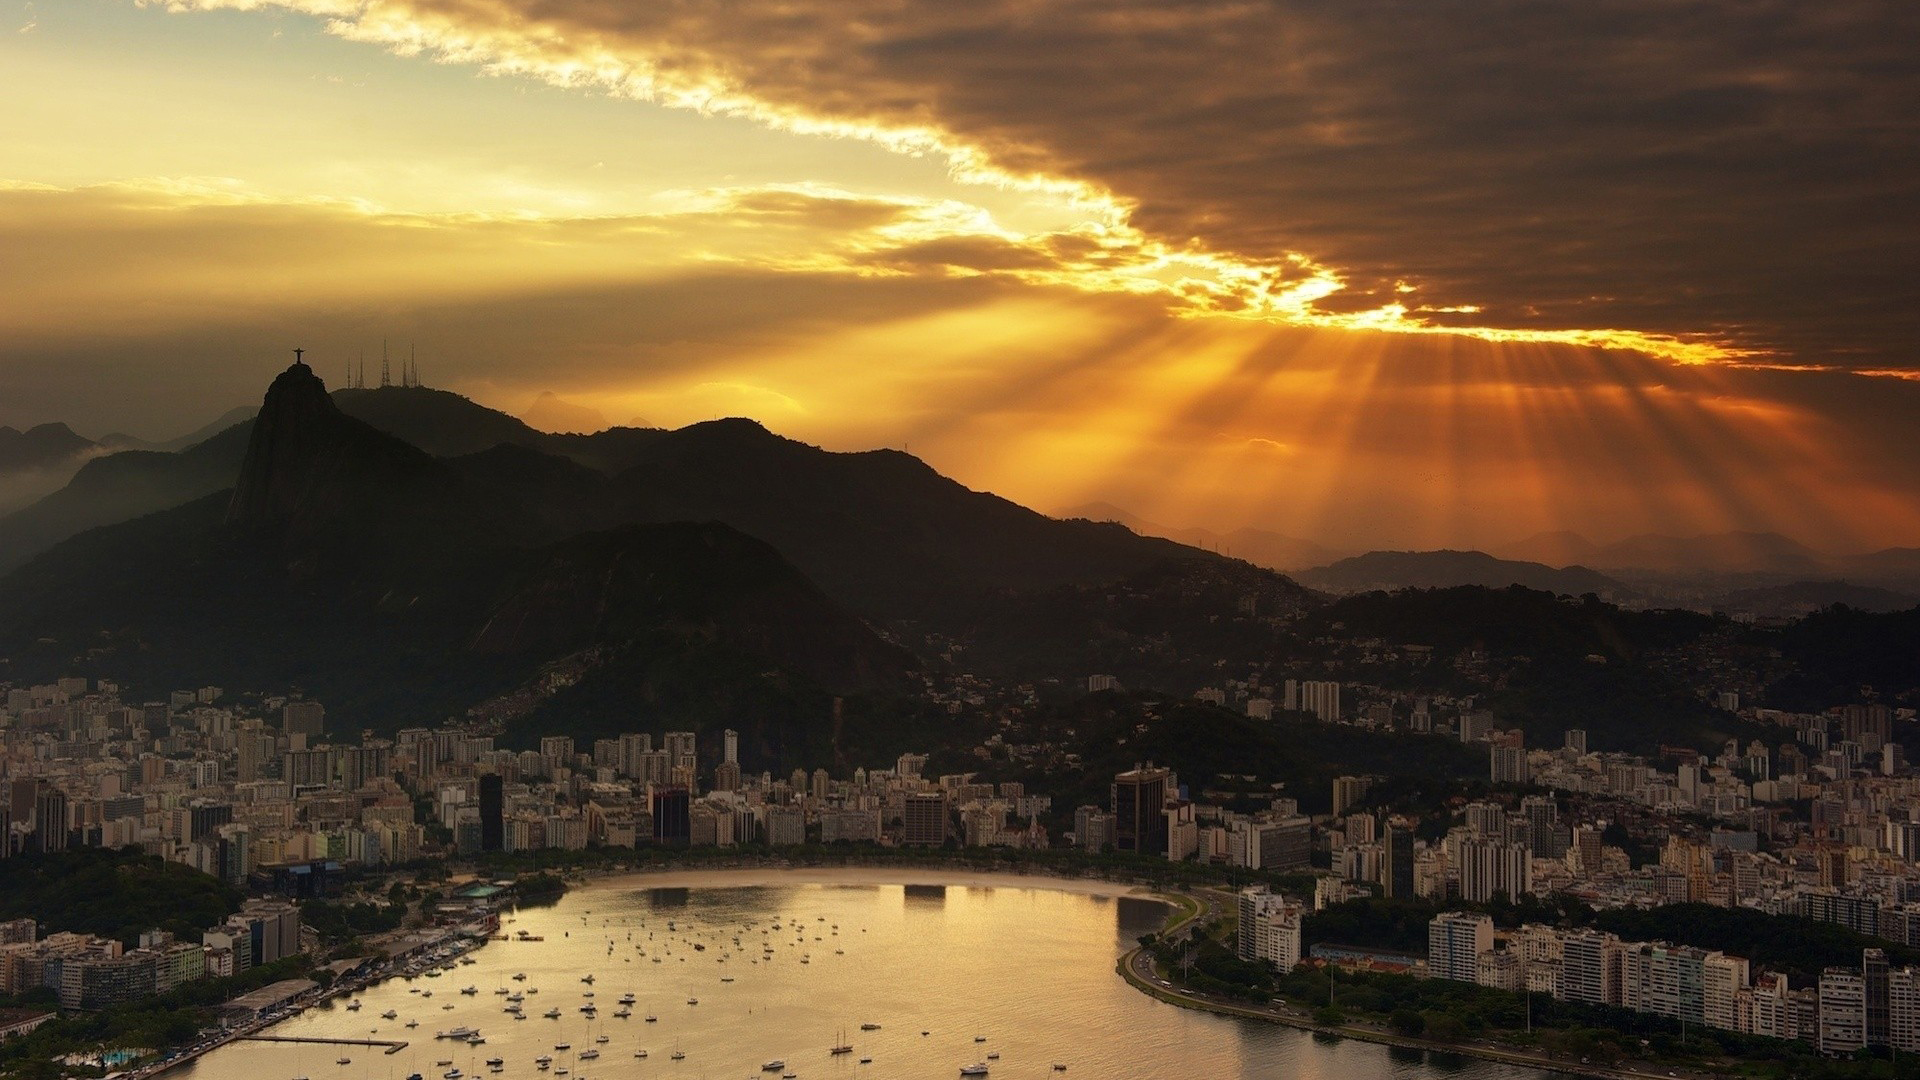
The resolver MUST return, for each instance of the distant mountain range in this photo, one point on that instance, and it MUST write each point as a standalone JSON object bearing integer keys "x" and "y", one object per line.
{"x": 1758, "y": 572}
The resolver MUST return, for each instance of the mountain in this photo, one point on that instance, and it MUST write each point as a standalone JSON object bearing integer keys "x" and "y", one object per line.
{"x": 119, "y": 487}
{"x": 1258, "y": 546}
{"x": 1559, "y": 548}
{"x": 239, "y": 414}
{"x": 353, "y": 564}
{"x": 550, "y": 413}
{"x": 1805, "y": 597}
{"x": 1725, "y": 553}
{"x": 40, "y": 447}
{"x": 1444, "y": 569}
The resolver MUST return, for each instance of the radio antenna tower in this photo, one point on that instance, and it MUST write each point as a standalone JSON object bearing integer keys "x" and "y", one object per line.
{"x": 386, "y": 372}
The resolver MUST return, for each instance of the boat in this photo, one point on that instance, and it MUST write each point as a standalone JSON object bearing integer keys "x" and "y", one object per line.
{"x": 343, "y": 1061}
{"x": 651, "y": 1018}
{"x": 389, "y": 1015}
{"x": 520, "y": 976}
{"x": 979, "y": 1038}
{"x": 451, "y": 1074}
{"x": 543, "y": 1060}
{"x": 552, "y": 1014}
{"x": 640, "y": 1053}
{"x": 693, "y": 1001}
{"x": 587, "y": 978}
{"x": 589, "y": 1054}
{"x": 354, "y": 1005}
{"x": 842, "y": 1046}
{"x": 413, "y": 1023}
{"x": 603, "y": 1039}
{"x": 496, "y": 1061}
{"x": 470, "y": 991}
{"x": 627, "y": 998}
{"x": 866, "y": 1061}
{"x": 978, "y": 1068}
{"x": 677, "y": 1056}
{"x": 1059, "y": 1066}
{"x": 869, "y": 1027}
{"x": 623, "y": 1012}
{"x": 443, "y": 1064}
{"x": 776, "y": 1065}
{"x": 457, "y": 1033}
{"x": 475, "y": 1039}
{"x": 995, "y": 1056}
{"x": 563, "y": 1046}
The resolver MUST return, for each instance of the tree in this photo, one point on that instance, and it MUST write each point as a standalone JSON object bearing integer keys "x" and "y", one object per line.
{"x": 1407, "y": 1022}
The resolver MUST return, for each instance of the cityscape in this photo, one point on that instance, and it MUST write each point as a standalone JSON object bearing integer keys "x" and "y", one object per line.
{"x": 1164, "y": 539}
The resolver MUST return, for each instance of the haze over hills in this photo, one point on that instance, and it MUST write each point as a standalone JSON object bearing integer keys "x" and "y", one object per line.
{"x": 1258, "y": 546}
{"x": 551, "y": 413}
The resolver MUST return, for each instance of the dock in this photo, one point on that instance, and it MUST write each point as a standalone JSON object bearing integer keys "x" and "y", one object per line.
{"x": 392, "y": 1046}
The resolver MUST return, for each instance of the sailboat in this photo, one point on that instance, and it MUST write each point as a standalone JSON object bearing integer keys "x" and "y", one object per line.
{"x": 842, "y": 1046}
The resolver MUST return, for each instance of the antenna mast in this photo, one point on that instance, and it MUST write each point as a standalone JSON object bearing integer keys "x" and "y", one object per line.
{"x": 386, "y": 374}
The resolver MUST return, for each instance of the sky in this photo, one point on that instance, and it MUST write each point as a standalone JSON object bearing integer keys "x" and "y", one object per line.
{"x": 1376, "y": 274}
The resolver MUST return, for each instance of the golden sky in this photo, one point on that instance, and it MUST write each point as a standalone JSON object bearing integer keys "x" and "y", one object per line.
{"x": 1374, "y": 274}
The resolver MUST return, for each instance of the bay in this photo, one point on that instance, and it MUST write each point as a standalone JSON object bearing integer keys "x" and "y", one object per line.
{"x": 952, "y": 967}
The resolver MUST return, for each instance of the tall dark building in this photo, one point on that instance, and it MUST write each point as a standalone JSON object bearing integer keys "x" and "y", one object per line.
{"x": 206, "y": 817}
{"x": 1396, "y": 872}
{"x": 672, "y": 816}
{"x": 493, "y": 818}
{"x": 1873, "y": 965}
{"x": 50, "y": 820}
{"x": 1139, "y": 802}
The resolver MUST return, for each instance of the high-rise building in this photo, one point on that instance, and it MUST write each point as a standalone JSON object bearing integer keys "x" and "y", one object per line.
{"x": 1590, "y": 967}
{"x": 1092, "y": 828}
{"x": 307, "y": 718}
{"x": 1396, "y": 864}
{"x": 1509, "y": 765}
{"x": 672, "y": 816}
{"x": 1843, "y": 1012}
{"x": 1322, "y": 699}
{"x": 1576, "y": 740}
{"x": 1269, "y": 928}
{"x": 1874, "y": 973}
{"x": 925, "y": 819}
{"x": 493, "y": 816}
{"x": 1455, "y": 940}
{"x": 1349, "y": 790}
{"x": 1489, "y": 867}
{"x": 1139, "y": 796}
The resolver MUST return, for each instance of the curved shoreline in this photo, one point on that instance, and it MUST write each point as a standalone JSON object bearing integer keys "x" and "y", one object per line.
{"x": 748, "y": 877}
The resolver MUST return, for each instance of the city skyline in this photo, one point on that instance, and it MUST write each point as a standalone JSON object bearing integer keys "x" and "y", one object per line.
{"x": 1319, "y": 277}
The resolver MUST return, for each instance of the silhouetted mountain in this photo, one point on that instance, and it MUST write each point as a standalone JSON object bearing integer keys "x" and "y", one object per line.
{"x": 239, "y": 414}
{"x": 119, "y": 487}
{"x": 1559, "y": 548}
{"x": 1258, "y": 546}
{"x": 1729, "y": 552}
{"x": 40, "y": 447}
{"x": 1445, "y": 569}
{"x": 353, "y": 564}
{"x": 1893, "y": 568}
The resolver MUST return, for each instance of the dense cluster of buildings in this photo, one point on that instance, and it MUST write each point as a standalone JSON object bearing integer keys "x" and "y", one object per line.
{"x": 90, "y": 972}
{"x": 1848, "y": 1010}
{"x": 260, "y": 796}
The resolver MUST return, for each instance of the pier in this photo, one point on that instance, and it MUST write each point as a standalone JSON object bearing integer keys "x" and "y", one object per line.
{"x": 392, "y": 1046}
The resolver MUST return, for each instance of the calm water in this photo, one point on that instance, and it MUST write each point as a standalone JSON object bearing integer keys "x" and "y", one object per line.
{"x": 1030, "y": 969}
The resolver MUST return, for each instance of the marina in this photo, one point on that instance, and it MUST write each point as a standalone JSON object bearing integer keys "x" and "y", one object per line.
{"x": 887, "y": 963}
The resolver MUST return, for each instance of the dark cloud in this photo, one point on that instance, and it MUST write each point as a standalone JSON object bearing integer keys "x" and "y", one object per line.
{"x": 1744, "y": 170}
